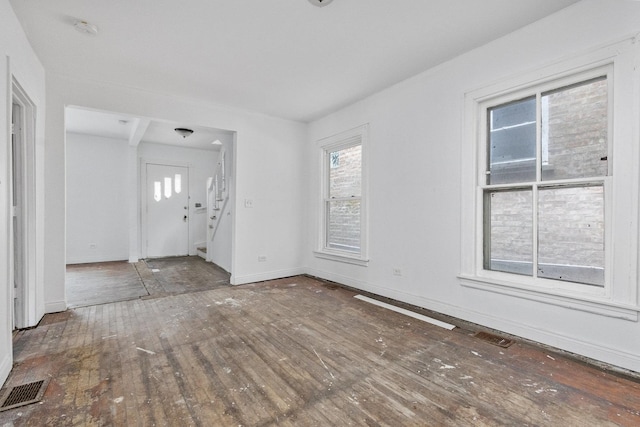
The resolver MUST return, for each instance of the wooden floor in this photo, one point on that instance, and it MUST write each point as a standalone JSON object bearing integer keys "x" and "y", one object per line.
{"x": 296, "y": 352}
{"x": 101, "y": 283}
{"x": 178, "y": 275}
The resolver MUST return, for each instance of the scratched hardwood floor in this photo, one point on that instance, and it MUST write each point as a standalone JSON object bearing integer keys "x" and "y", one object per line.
{"x": 296, "y": 352}
{"x": 102, "y": 282}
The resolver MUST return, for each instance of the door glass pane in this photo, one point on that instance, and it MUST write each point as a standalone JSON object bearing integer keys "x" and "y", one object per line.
{"x": 177, "y": 182}
{"x": 157, "y": 191}
{"x": 574, "y": 131}
{"x": 571, "y": 234}
{"x": 343, "y": 225}
{"x": 167, "y": 187}
{"x": 345, "y": 172}
{"x": 512, "y": 142}
{"x": 508, "y": 231}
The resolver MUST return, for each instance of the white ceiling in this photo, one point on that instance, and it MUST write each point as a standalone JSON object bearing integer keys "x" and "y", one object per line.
{"x": 284, "y": 58}
{"x": 137, "y": 130}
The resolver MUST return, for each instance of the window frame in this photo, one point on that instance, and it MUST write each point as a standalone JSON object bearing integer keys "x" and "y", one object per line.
{"x": 537, "y": 91}
{"x": 354, "y": 137}
{"x": 619, "y": 296}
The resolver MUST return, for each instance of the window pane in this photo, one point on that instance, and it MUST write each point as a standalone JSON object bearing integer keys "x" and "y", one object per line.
{"x": 345, "y": 175}
{"x": 574, "y": 131}
{"x": 509, "y": 231}
{"x": 512, "y": 142}
{"x": 571, "y": 234}
{"x": 343, "y": 225}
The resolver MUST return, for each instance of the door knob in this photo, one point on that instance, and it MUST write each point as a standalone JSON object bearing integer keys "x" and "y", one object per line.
{"x": 184, "y": 218}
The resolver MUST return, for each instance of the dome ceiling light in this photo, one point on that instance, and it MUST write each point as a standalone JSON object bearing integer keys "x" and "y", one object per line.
{"x": 183, "y": 132}
{"x": 320, "y": 3}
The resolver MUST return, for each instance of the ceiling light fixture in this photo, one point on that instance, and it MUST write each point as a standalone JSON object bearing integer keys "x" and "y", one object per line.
{"x": 320, "y": 3}
{"x": 86, "y": 28}
{"x": 183, "y": 132}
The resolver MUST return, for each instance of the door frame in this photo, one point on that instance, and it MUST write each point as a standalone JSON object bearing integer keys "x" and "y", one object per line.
{"x": 23, "y": 307}
{"x": 142, "y": 185}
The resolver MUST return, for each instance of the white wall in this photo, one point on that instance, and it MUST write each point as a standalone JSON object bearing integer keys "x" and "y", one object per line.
{"x": 202, "y": 165}
{"x": 416, "y": 130}
{"x": 17, "y": 59}
{"x": 97, "y": 199}
{"x": 268, "y": 166}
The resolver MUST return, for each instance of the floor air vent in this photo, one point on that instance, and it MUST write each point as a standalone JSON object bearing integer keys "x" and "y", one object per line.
{"x": 21, "y": 395}
{"x": 493, "y": 339}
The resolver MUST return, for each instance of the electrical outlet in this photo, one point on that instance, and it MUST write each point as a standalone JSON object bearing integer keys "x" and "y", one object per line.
{"x": 397, "y": 272}
{"x": 248, "y": 203}
{"x": 262, "y": 258}
{"x": 92, "y": 245}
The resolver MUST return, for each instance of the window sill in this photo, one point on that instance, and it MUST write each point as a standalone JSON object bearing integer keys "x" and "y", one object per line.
{"x": 341, "y": 258}
{"x": 587, "y": 304}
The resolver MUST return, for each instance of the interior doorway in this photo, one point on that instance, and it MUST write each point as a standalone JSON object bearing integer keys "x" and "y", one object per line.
{"x": 167, "y": 213}
{"x": 22, "y": 253}
{"x": 108, "y": 194}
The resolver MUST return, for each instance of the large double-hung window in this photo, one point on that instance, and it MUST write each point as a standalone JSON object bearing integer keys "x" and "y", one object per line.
{"x": 545, "y": 182}
{"x": 550, "y": 177}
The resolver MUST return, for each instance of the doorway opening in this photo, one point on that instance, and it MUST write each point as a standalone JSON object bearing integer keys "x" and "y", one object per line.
{"x": 23, "y": 190}
{"x": 136, "y": 189}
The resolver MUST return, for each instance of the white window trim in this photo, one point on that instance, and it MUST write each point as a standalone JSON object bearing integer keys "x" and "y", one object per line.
{"x": 352, "y": 137}
{"x": 619, "y": 297}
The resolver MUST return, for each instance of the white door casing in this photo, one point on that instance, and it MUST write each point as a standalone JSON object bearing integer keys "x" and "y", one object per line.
{"x": 167, "y": 210}
{"x": 17, "y": 217}
{"x": 23, "y": 190}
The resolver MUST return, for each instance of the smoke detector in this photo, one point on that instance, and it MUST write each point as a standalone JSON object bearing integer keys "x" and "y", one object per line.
{"x": 86, "y": 28}
{"x": 320, "y": 3}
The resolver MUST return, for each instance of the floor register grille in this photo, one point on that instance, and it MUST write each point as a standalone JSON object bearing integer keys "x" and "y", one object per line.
{"x": 21, "y": 395}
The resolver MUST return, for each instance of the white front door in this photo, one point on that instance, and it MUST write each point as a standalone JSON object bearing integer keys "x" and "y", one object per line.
{"x": 167, "y": 210}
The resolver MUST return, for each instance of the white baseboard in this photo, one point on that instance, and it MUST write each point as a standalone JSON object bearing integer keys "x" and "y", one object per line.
{"x": 5, "y": 367}
{"x": 269, "y": 275}
{"x": 55, "y": 306}
{"x": 597, "y": 352}
{"x": 96, "y": 258}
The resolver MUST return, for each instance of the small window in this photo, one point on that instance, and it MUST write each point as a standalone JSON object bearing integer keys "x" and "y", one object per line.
{"x": 343, "y": 223}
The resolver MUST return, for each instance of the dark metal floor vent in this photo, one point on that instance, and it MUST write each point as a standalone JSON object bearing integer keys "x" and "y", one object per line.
{"x": 23, "y": 395}
{"x": 493, "y": 339}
